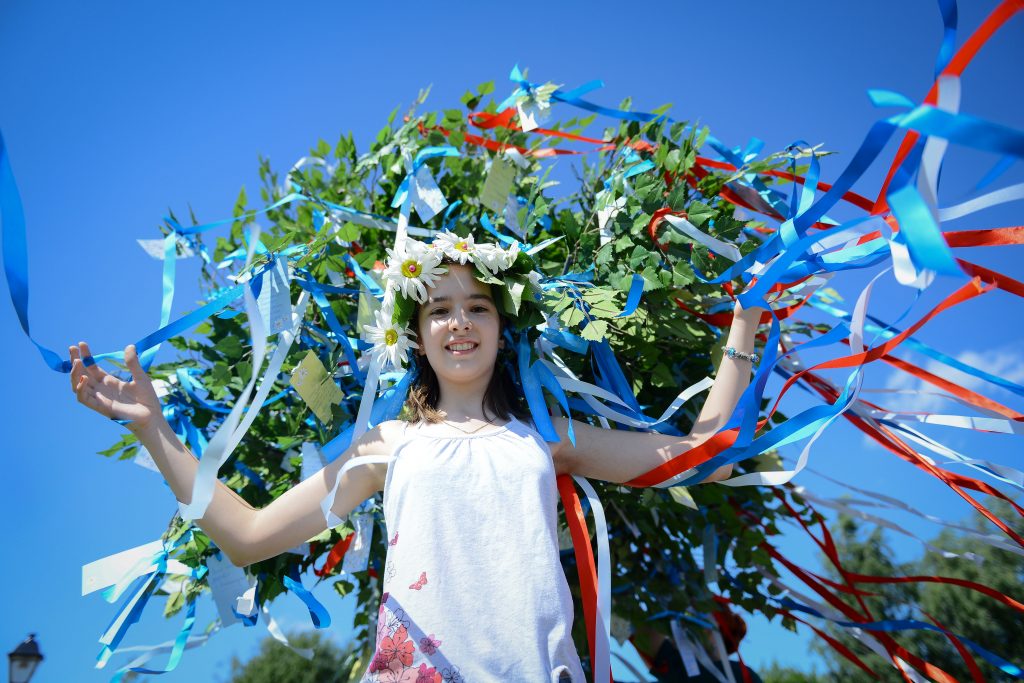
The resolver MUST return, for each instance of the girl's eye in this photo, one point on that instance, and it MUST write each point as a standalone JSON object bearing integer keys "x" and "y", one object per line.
{"x": 438, "y": 311}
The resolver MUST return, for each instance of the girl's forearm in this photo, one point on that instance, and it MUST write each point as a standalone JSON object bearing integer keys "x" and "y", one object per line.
{"x": 228, "y": 517}
{"x": 733, "y": 375}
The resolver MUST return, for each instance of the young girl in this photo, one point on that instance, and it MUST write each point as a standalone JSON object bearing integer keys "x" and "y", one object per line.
{"x": 473, "y": 588}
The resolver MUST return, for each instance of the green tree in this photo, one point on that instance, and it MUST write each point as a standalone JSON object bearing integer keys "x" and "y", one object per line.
{"x": 776, "y": 673}
{"x": 661, "y": 348}
{"x": 963, "y": 611}
{"x": 276, "y": 663}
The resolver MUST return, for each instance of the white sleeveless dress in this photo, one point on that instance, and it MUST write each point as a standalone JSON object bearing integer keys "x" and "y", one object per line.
{"x": 473, "y": 589}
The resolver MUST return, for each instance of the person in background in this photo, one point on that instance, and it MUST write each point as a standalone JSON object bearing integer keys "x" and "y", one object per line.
{"x": 666, "y": 663}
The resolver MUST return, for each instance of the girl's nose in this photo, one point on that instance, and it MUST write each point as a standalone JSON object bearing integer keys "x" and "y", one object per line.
{"x": 458, "y": 320}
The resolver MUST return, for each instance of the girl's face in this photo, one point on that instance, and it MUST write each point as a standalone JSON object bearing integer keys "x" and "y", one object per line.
{"x": 459, "y": 327}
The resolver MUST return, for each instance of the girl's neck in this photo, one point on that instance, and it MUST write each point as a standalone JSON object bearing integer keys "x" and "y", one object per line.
{"x": 460, "y": 402}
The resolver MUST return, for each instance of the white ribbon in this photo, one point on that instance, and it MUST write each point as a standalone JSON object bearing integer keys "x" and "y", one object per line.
{"x": 603, "y": 621}
{"x": 280, "y": 637}
{"x": 896, "y": 504}
{"x": 726, "y": 249}
{"x": 327, "y": 502}
{"x": 234, "y": 428}
{"x": 1001, "y": 196}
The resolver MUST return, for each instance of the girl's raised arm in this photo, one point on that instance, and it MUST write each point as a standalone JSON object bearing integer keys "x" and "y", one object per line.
{"x": 245, "y": 534}
{"x": 619, "y": 456}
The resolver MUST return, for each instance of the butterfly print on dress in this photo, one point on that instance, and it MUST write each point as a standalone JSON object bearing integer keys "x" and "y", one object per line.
{"x": 429, "y": 644}
{"x": 420, "y": 583}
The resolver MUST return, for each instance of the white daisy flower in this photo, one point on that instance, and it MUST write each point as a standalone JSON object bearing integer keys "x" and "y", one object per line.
{"x": 454, "y": 247}
{"x": 490, "y": 258}
{"x": 390, "y": 341}
{"x": 511, "y": 254}
{"x": 412, "y": 268}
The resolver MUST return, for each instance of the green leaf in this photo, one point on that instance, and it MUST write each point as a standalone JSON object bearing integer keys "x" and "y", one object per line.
{"x": 230, "y": 346}
{"x": 698, "y": 213}
{"x": 175, "y": 601}
{"x": 349, "y": 232}
{"x": 404, "y": 308}
{"x": 571, "y": 317}
{"x": 596, "y": 330}
{"x": 513, "y": 293}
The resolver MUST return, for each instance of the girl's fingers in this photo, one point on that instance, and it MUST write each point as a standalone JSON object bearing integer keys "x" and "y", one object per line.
{"x": 95, "y": 371}
{"x": 76, "y": 366}
{"x": 131, "y": 360}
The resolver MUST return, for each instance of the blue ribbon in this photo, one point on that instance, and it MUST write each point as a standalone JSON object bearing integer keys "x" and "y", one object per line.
{"x": 317, "y": 612}
{"x": 422, "y": 157}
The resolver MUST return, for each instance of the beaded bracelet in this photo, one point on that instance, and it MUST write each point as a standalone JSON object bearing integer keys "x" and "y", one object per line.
{"x": 733, "y": 353}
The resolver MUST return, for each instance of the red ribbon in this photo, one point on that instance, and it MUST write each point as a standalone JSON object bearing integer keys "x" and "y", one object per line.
{"x": 335, "y": 556}
{"x": 585, "y": 566}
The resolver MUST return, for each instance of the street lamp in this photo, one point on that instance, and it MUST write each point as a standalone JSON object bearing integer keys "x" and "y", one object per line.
{"x": 24, "y": 659}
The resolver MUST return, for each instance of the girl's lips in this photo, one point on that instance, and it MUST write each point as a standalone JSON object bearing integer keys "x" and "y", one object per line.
{"x": 462, "y": 348}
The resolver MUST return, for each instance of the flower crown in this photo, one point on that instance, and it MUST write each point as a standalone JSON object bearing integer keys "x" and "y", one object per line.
{"x": 412, "y": 266}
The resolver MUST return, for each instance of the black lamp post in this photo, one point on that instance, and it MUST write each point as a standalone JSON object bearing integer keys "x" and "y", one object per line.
{"x": 24, "y": 659}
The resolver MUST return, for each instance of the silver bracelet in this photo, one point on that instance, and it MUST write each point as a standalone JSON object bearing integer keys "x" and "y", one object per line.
{"x": 733, "y": 353}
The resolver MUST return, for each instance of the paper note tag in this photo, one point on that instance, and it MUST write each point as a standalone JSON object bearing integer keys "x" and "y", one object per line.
{"x": 682, "y": 496}
{"x": 312, "y": 462}
{"x": 498, "y": 184}
{"x": 155, "y": 248}
{"x": 245, "y": 604}
{"x": 621, "y": 629}
{"x": 144, "y": 459}
{"x": 517, "y": 158}
{"x": 228, "y": 583}
{"x": 358, "y": 555}
{"x": 286, "y": 461}
{"x": 316, "y": 387}
{"x": 529, "y": 114}
{"x": 426, "y": 195}
{"x": 604, "y": 217}
{"x": 109, "y": 570}
{"x": 512, "y": 217}
{"x": 275, "y": 300}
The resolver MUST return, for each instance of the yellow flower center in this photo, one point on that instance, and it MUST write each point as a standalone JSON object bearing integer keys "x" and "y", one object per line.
{"x": 411, "y": 268}
{"x": 390, "y": 337}
{"x": 462, "y": 246}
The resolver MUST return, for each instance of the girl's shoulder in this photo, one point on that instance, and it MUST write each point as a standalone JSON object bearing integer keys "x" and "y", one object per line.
{"x": 382, "y": 439}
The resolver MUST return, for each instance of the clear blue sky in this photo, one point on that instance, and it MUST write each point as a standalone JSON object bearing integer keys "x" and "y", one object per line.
{"x": 115, "y": 111}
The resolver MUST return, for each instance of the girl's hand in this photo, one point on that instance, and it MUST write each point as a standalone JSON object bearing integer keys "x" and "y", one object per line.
{"x": 107, "y": 395}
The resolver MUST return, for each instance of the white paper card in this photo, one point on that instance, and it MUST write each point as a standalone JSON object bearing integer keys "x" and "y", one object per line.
{"x": 144, "y": 459}
{"x": 311, "y": 461}
{"x": 605, "y": 215}
{"x": 358, "y": 555}
{"x": 228, "y": 583}
{"x": 155, "y": 248}
{"x": 512, "y": 217}
{"x": 529, "y": 114}
{"x": 517, "y": 158}
{"x": 275, "y": 301}
{"x": 426, "y": 195}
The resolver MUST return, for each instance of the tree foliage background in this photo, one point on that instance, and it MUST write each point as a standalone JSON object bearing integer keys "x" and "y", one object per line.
{"x": 967, "y": 613}
{"x": 275, "y": 663}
